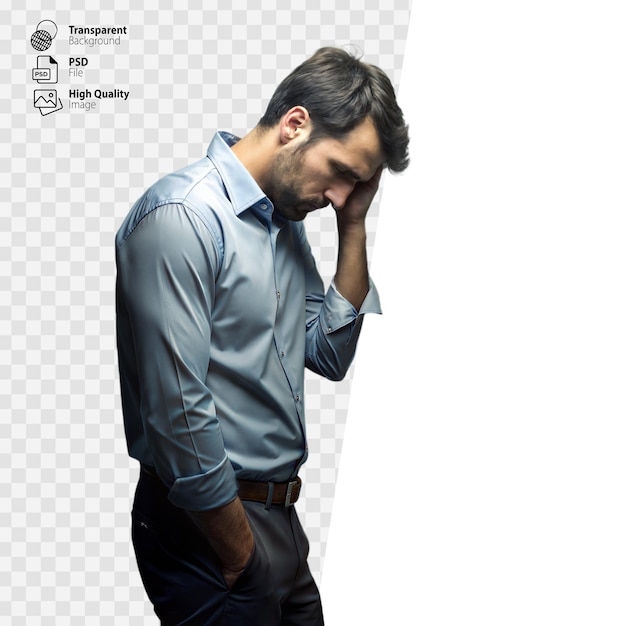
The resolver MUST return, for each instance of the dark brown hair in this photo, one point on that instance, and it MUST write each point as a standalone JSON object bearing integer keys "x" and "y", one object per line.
{"x": 340, "y": 91}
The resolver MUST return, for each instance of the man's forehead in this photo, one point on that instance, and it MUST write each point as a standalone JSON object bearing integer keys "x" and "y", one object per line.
{"x": 360, "y": 152}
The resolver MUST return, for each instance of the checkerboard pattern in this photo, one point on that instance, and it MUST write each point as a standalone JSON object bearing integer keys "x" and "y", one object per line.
{"x": 68, "y": 178}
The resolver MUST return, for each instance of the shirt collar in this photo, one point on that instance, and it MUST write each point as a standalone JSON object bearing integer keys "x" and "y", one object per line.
{"x": 243, "y": 191}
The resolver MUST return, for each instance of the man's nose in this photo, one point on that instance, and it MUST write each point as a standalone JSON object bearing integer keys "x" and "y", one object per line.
{"x": 338, "y": 194}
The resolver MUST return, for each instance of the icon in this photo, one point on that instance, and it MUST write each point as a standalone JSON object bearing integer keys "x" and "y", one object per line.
{"x": 46, "y": 101}
{"x": 47, "y": 70}
{"x": 42, "y": 38}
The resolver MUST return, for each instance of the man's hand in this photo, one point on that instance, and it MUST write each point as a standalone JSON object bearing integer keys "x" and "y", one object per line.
{"x": 358, "y": 203}
{"x": 227, "y": 530}
{"x": 230, "y": 577}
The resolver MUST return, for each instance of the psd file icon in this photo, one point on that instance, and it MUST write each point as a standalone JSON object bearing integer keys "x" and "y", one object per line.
{"x": 47, "y": 101}
{"x": 47, "y": 70}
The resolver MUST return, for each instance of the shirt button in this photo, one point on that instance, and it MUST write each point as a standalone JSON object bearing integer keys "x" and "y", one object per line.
{"x": 278, "y": 294}
{"x": 264, "y": 206}
{"x": 282, "y": 353}
{"x": 297, "y": 398}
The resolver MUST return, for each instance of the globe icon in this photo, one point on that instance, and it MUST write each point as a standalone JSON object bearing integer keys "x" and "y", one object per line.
{"x": 41, "y": 40}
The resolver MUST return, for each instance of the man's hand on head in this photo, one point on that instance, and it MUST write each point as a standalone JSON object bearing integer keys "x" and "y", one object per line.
{"x": 355, "y": 209}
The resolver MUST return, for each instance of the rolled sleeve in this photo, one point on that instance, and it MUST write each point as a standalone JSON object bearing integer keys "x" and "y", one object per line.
{"x": 333, "y": 334}
{"x": 338, "y": 312}
{"x": 203, "y": 491}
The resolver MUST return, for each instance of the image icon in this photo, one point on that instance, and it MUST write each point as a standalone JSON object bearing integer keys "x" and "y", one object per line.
{"x": 47, "y": 70}
{"x": 47, "y": 101}
{"x": 42, "y": 38}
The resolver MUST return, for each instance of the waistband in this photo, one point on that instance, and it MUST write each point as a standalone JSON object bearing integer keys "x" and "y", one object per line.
{"x": 281, "y": 494}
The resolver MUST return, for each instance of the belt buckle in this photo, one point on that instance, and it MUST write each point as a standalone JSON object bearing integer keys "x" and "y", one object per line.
{"x": 292, "y": 485}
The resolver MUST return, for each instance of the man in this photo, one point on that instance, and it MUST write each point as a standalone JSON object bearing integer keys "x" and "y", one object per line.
{"x": 219, "y": 309}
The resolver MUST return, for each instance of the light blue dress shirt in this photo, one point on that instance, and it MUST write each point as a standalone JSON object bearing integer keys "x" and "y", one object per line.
{"x": 219, "y": 309}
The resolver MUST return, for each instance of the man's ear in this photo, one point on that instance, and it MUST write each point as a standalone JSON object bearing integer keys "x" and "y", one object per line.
{"x": 295, "y": 123}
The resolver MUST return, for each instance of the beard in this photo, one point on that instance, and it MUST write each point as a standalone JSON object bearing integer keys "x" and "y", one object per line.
{"x": 283, "y": 186}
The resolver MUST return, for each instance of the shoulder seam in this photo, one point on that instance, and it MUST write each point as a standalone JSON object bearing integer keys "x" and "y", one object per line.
{"x": 212, "y": 226}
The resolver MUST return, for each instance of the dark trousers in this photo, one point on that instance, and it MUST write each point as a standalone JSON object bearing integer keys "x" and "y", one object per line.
{"x": 183, "y": 577}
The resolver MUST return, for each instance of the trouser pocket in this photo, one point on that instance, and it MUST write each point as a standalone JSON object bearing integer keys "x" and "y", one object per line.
{"x": 253, "y": 598}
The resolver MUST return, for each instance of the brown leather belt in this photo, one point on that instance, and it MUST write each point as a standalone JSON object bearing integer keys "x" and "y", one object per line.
{"x": 283, "y": 494}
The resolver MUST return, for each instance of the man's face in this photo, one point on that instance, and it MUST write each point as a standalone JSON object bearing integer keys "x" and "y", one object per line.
{"x": 306, "y": 177}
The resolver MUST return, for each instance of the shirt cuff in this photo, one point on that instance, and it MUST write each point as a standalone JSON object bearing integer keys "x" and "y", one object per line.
{"x": 338, "y": 312}
{"x": 202, "y": 492}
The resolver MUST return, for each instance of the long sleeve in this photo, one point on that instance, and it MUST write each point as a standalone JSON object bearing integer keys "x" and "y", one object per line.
{"x": 166, "y": 288}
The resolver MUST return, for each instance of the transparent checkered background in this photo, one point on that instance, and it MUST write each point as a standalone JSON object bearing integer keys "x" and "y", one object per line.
{"x": 67, "y": 182}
